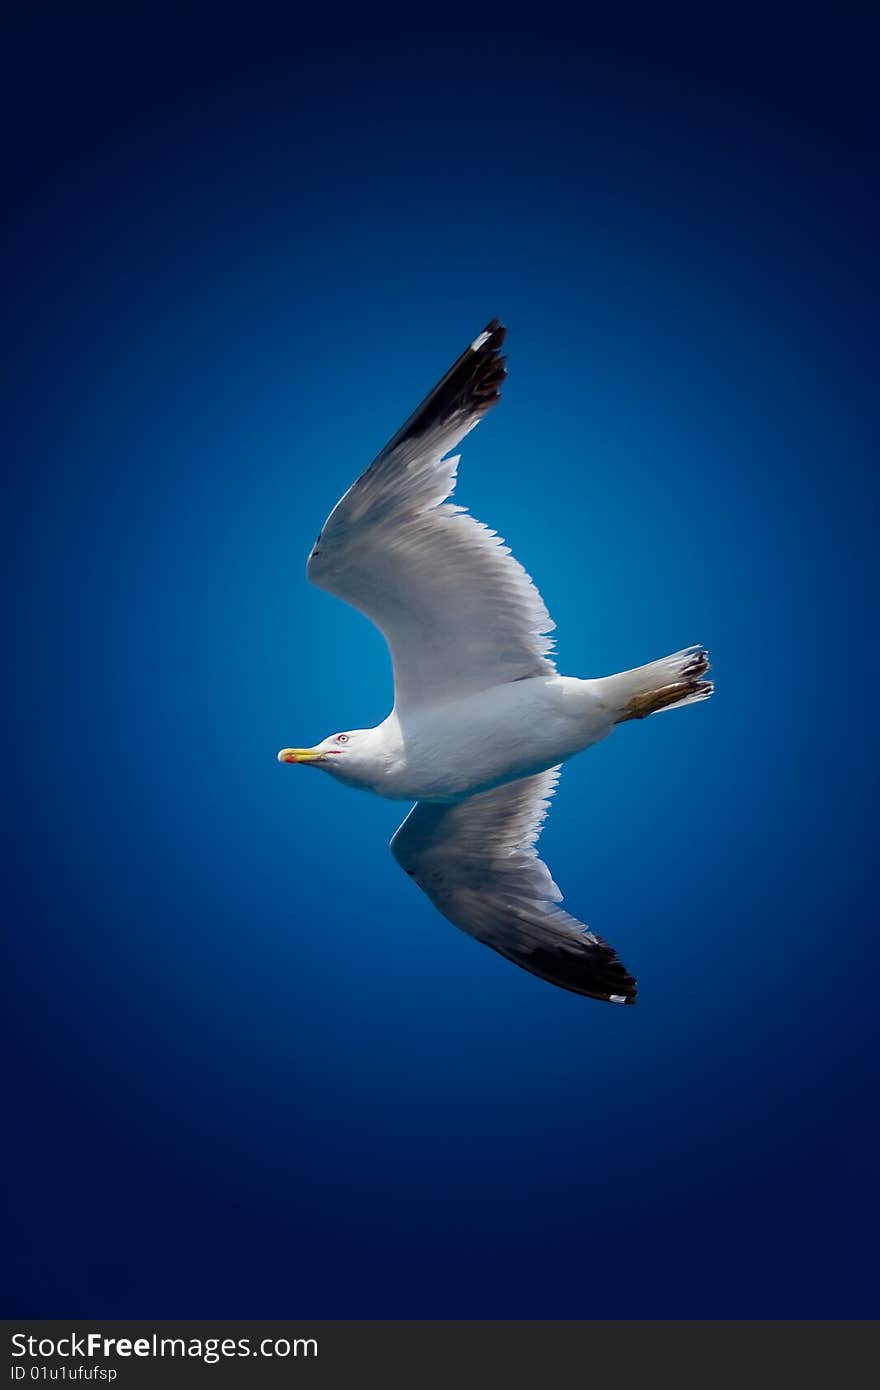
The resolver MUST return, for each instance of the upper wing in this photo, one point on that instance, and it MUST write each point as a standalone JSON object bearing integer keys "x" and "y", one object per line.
{"x": 458, "y": 612}
{"x": 477, "y": 862}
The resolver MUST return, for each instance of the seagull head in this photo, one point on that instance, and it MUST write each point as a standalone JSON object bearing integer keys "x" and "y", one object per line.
{"x": 340, "y": 753}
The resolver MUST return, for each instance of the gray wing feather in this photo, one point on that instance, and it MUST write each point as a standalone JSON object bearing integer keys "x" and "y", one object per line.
{"x": 478, "y": 863}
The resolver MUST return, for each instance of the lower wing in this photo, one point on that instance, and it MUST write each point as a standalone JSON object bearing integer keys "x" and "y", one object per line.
{"x": 477, "y": 862}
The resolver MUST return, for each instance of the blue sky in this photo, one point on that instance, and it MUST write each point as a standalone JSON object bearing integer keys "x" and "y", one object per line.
{"x": 256, "y": 1074}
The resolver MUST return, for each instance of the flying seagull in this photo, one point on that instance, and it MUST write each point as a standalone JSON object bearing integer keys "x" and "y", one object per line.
{"x": 482, "y": 720}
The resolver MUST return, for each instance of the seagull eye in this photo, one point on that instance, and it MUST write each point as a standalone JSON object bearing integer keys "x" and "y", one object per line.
{"x": 342, "y": 738}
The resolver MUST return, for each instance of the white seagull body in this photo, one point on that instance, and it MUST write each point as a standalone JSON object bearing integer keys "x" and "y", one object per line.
{"x": 482, "y": 720}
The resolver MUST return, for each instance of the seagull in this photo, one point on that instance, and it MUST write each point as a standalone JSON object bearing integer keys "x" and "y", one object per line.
{"x": 482, "y": 720}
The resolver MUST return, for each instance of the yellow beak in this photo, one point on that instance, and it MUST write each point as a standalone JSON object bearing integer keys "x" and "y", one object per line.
{"x": 300, "y": 755}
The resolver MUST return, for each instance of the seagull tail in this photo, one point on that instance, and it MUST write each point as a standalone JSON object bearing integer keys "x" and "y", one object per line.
{"x": 666, "y": 684}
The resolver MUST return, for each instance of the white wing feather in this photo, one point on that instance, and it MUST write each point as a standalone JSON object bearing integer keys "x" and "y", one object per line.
{"x": 459, "y": 613}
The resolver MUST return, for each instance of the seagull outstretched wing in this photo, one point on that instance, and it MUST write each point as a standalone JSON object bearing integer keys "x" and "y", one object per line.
{"x": 459, "y": 613}
{"x": 477, "y": 862}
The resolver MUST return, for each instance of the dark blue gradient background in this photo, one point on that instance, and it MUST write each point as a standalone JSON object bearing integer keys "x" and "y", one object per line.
{"x": 254, "y": 1073}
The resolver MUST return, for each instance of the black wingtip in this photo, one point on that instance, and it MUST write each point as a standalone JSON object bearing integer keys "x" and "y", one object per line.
{"x": 610, "y": 979}
{"x": 470, "y": 387}
{"x": 483, "y": 369}
{"x": 497, "y": 332}
{"x": 593, "y": 970}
